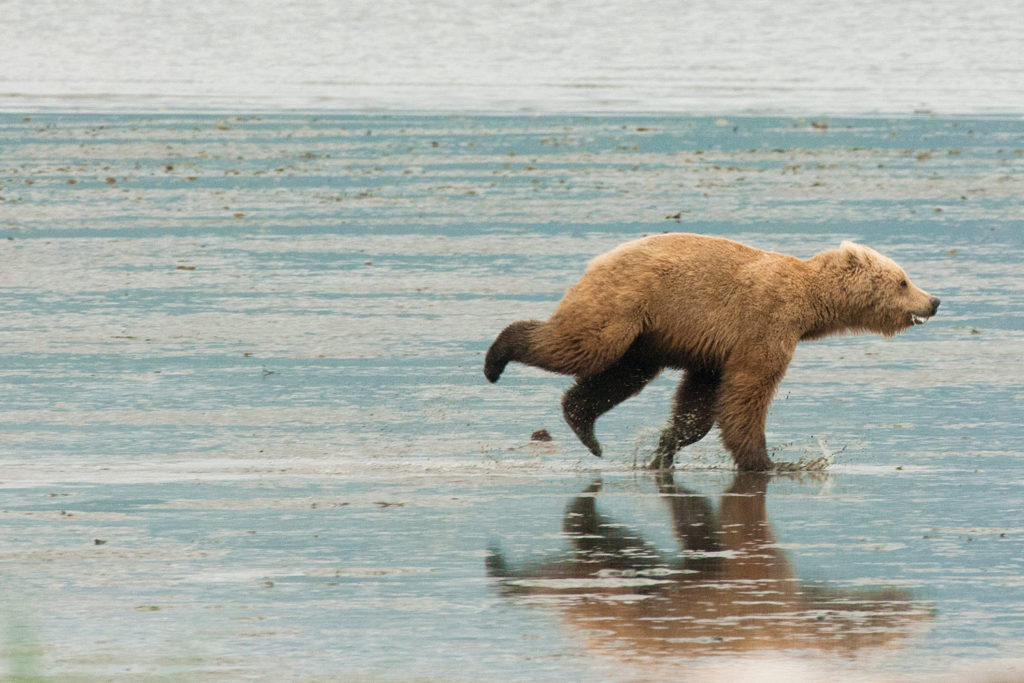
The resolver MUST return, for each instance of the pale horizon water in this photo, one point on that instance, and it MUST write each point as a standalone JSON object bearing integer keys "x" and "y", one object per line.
{"x": 755, "y": 56}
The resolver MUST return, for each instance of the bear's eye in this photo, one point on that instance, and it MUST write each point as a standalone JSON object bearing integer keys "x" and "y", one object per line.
{"x": 903, "y": 284}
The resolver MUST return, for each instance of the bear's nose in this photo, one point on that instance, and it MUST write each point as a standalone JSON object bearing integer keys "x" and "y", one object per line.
{"x": 935, "y": 304}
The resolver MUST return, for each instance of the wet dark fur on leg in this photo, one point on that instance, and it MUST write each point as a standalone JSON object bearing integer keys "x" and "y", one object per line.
{"x": 595, "y": 395}
{"x": 693, "y": 415}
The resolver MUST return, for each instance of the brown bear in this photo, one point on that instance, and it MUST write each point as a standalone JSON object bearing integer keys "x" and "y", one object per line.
{"x": 727, "y": 314}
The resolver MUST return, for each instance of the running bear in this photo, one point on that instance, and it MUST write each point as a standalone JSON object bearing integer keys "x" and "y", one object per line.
{"x": 727, "y": 314}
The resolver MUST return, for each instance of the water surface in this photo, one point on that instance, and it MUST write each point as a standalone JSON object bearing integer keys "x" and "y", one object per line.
{"x": 799, "y": 56}
{"x": 246, "y": 432}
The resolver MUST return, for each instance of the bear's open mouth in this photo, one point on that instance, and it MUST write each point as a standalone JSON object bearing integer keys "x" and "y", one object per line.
{"x": 916, "y": 319}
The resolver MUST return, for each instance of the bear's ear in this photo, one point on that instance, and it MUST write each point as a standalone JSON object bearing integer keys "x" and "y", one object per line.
{"x": 850, "y": 251}
{"x": 855, "y": 254}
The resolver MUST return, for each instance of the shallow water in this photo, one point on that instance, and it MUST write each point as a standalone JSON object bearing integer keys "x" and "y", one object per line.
{"x": 799, "y": 56}
{"x": 247, "y": 434}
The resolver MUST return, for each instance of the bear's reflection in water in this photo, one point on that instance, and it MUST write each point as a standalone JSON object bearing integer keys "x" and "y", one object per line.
{"x": 730, "y": 590}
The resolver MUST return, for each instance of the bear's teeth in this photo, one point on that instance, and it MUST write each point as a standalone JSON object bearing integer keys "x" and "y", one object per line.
{"x": 917, "y": 320}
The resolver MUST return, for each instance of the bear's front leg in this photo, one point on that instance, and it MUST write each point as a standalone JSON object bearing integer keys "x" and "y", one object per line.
{"x": 693, "y": 415}
{"x": 742, "y": 413}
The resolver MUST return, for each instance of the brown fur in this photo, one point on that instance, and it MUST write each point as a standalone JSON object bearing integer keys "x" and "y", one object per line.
{"x": 728, "y": 314}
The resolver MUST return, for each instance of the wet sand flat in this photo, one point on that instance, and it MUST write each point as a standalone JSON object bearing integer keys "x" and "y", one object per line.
{"x": 246, "y": 433}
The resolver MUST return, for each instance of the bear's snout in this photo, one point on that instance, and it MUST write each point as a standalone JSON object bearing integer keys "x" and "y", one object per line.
{"x": 926, "y": 311}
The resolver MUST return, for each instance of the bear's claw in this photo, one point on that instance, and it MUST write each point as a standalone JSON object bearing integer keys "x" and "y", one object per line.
{"x": 585, "y": 433}
{"x": 582, "y": 425}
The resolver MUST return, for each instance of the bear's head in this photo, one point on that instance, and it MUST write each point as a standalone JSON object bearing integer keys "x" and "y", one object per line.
{"x": 878, "y": 295}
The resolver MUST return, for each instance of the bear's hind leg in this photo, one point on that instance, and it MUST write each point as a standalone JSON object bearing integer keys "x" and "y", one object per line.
{"x": 565, "y": 344}
{"x": 513, "y": 343}
{"x": 594, "y": 395}
{"x": 693, "y": 415}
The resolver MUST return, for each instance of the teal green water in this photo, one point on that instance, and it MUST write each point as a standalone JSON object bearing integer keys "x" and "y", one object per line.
{"x": 246, "y": 433}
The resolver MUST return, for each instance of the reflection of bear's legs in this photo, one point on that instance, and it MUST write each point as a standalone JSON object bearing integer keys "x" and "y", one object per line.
{"x": 742, "y": 412}
{"x": 693, "y": 520}
{"x": 595, "y": 395}
{"x": 693, "y": 415}
{"x": 598, "y": 542}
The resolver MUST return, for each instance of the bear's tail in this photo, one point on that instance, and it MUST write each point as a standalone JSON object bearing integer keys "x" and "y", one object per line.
{"x": 513, "y": 343}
